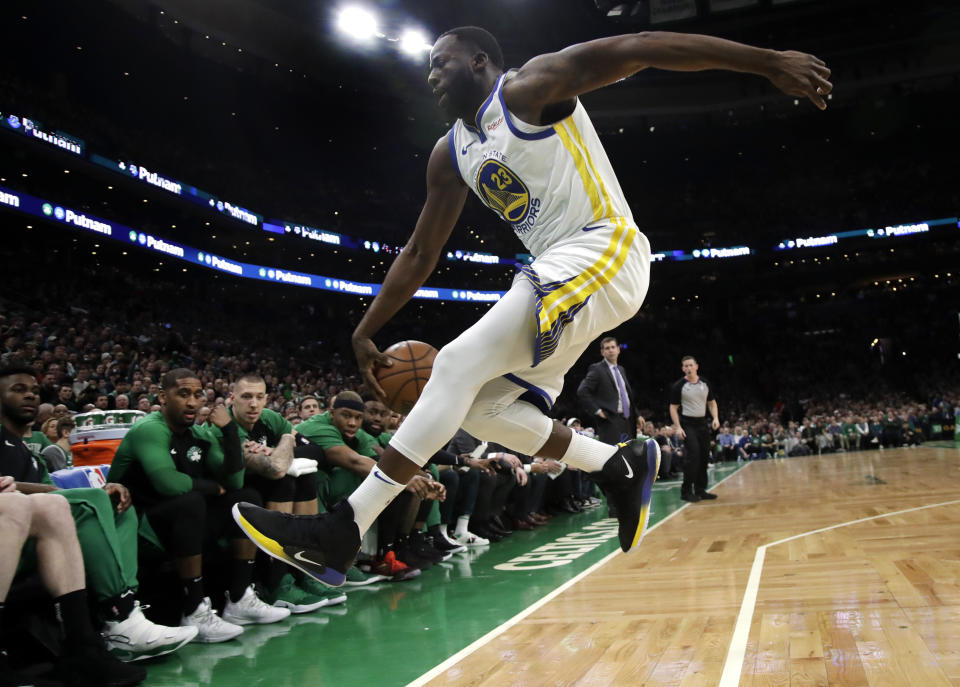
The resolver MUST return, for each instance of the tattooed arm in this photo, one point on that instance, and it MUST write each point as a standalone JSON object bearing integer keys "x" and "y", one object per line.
{"x": 271, "y": 463}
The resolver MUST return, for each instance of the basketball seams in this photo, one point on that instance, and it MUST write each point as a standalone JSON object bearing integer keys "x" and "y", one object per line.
{"x": 412, "y": 369}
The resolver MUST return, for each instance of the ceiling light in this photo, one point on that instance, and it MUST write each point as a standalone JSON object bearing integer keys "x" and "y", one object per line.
{"x": 413, "y": 42}
{"x": 357, "y": 23}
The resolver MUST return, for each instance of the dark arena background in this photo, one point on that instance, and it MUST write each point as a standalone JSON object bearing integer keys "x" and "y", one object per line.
{"x": 222, "y": 186}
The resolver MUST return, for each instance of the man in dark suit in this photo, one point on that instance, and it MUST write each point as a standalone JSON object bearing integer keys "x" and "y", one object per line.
{"x": 606, "y": 394}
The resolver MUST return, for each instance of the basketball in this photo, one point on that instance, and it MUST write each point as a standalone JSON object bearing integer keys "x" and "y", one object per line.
{"x": 404, "y": 380}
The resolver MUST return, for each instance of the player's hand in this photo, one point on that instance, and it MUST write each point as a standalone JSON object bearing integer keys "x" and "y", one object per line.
{"x": 485, "y": 464}
{"x": 120, "y": 494}
{"x": 369, "y": 358}
{"x": 438, "y": 492}
{"x": 678, "y": 430}
{"x": 800, "y": 74}
{"x": 538, "y": 467}
{"x": 521, "y": 476}
{"x": 554, "y": 467}
{"x": 420, "y": 486}
{"x": 253, "y": 447}
{"x": 7, "y": 484}
{"x": 715, "y": 424}
{"x": 220, "y": 417}
{"x": 511, "y": 460}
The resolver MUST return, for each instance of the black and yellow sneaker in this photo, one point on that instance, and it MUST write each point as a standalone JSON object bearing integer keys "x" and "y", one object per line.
{"x": 323, "y": 546}
{"x": 627, "y": 480}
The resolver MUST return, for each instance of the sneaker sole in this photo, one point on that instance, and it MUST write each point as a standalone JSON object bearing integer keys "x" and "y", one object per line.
{"x": 373, "y": 579}
{"x": 297, "y": 609}
{"x": 328, "y": 576}
{"x": 128, "y": 656}
{"x": 243, "y": 622}
{"x": 216, "y": 640}
{"x": 334, "y": 601}
{"x": 405, "y": 575}
{"x": 646, "y": 491}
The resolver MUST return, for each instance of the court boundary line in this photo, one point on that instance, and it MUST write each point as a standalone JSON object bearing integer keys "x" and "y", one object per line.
{"x": 506, "y": 625}
{"x": 736, "y": 653}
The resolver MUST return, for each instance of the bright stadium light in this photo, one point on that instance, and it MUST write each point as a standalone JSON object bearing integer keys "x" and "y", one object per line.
{"x": 357, "y": 23}
{"x": 414, "y": 43}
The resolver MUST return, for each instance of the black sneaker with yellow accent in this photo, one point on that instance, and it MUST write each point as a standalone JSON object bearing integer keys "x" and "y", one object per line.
{"x": 323, "y": 546}
{"x": 627, "y": 480}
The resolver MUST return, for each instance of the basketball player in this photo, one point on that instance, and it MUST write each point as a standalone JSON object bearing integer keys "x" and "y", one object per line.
{"x": 523, "y": 143}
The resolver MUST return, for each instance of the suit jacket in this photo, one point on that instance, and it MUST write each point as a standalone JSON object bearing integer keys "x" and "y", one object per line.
{"x": 599, "y": 391}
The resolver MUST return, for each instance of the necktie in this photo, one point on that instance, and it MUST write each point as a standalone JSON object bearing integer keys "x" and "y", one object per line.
{"x": 624, "y": 399}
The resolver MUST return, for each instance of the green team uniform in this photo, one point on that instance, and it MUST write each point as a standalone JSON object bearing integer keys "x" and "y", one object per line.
{"x": 36, "y": 442}
{"x": 267, "y": 430}
{"x": 108, "y": 540}
{"x": 321, "y": 431}
{"x": 156, "y": 464}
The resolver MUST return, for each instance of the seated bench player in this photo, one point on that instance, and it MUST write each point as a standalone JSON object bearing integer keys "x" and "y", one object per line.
{"x": 184, "y": 479}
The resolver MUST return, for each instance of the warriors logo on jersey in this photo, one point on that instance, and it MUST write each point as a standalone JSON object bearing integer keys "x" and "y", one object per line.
{"x": 503, "y": 191}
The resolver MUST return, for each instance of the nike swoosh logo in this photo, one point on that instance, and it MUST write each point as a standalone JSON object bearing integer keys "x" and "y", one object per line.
{"x": 303, "y": 559}
{"x": 463, "y": 151}
{"x": 599, "y": 226}
{"x": 9, "y": 444}
{"x": 629, "y": 469}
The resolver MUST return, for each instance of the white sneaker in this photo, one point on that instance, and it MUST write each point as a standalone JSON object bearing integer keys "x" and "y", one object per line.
{"x": 211, "y": 627}
{"x": 137, "y": 638}
{"x": 250, "y": 610}
{"x": 470, "y": 539}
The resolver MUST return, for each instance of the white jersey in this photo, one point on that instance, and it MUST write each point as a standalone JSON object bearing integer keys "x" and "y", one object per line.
{"x": 548, "y": 182}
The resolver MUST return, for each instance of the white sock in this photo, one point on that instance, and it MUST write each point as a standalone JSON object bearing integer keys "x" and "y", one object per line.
{"x": 587, "y": 454}
{"x": 462, "y": 523}
{"x": 373, "y": 495}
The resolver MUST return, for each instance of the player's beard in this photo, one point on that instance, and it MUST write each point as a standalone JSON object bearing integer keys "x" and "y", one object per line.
{"x": 464, "y": 97}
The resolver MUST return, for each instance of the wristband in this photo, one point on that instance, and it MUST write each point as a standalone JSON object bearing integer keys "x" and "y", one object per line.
{"x": 527, "y": 467}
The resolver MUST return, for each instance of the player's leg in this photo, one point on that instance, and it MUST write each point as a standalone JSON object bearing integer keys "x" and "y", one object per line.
{"x": 14, "y": 528}
{"x": 625, "y": 472}
{"x": 703, "y": 435}
{"x": 108, "y": 543}
{"x": 691, "y": 463}
{"x": 502, "y": 340}
{"x": 511, "y": 409}
{"x": 85, "y": 660}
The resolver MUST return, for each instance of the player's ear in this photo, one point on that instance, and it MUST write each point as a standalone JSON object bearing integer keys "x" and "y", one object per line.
{"x": 480, "y": 61}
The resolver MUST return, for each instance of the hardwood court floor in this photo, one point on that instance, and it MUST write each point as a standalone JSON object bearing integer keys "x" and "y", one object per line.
{"x": 873, "y": 603}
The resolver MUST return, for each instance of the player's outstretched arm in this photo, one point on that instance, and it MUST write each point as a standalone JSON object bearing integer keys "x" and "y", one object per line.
{"x": 446, "y": 195}
{"x": 561, "y": 76}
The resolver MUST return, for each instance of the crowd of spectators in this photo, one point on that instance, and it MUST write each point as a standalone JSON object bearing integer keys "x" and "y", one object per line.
{"x": 889, "y": 421}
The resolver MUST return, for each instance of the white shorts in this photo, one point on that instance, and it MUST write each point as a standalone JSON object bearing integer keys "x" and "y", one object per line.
{"x": 582, "y": 289}
{"x": 525, "y": 344}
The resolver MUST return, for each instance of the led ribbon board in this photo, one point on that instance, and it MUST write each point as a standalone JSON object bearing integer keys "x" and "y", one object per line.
{"x": 76, "y": 219}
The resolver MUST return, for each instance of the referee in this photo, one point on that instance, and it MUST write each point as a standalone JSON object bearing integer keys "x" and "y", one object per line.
{"x": 690, "y": 398}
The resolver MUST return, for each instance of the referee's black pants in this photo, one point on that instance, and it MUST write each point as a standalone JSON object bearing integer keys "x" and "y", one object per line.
{"x": 697, "y": 445}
